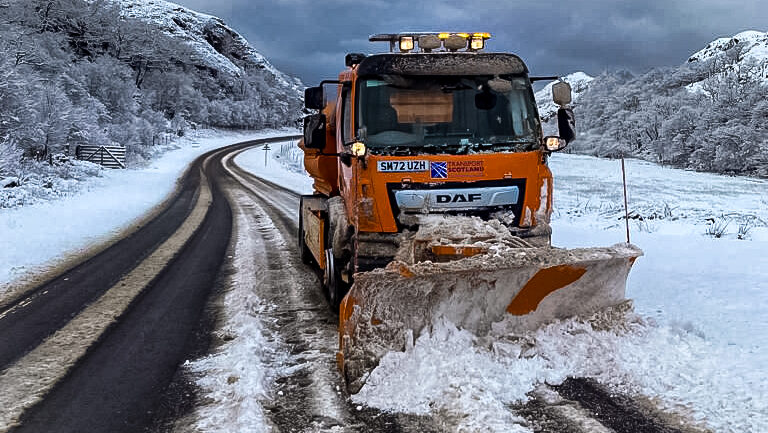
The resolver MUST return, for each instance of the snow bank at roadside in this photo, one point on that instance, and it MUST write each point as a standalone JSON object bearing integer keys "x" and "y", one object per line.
{"x": 38, "y": 237}
{"x": 473, "y": 380}
{"x": 284, "y": 166}
{"x": 236, "y": 378}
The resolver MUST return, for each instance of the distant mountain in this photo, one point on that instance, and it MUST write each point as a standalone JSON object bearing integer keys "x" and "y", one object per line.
{"x": 754, "y": 46}
{"x": 742, "y": 56}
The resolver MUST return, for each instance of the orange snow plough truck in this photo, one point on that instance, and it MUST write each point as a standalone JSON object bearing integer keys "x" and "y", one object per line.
{"x": 433, "y": 196}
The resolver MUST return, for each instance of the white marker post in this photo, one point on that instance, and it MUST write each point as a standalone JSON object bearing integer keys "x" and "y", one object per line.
{"x": 626, "y": 207}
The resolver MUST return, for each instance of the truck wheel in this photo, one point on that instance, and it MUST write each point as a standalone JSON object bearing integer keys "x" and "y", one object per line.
{"x": 332, "y": 281}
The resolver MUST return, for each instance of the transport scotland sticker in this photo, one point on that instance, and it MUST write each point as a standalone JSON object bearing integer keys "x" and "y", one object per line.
{"x": 443, "y": 170}
{"x": 439, "y": 170}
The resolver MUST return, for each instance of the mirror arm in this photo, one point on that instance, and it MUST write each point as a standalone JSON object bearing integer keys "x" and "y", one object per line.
{"x": 534, "y": 79}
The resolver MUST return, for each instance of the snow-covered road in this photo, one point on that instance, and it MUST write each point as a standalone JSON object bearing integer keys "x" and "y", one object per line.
{"x": 697, "y": 345}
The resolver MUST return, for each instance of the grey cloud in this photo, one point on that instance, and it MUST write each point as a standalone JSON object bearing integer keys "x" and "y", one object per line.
{"x": 309, "y": 38}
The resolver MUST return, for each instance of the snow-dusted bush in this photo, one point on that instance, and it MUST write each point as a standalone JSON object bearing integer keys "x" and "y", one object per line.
{"x": 708, "y": 116}
{"x": 40, "y": 180}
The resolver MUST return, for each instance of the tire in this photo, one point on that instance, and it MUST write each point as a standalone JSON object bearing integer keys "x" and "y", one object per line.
{"x": 335, "y": 287}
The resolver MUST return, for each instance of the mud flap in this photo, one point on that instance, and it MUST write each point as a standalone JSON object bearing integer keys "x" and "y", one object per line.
{"x": 526, "y": 287}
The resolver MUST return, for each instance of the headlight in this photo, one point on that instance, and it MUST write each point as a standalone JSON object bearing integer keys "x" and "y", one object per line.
{"x": 358, "y": 149}
{"x": 406, "y": 43}
{"x": 553, "y": 144}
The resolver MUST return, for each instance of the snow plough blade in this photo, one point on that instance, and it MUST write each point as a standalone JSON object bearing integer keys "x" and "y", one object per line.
{"x": 526, "y": 287}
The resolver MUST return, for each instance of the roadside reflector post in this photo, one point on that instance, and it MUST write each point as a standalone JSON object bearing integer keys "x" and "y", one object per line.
{"x": 626, "y": 206}
{"x": 266, "y": 153}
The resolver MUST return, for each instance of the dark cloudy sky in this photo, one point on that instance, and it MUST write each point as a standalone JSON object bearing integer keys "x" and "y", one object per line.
{"x": 309, "y": 38}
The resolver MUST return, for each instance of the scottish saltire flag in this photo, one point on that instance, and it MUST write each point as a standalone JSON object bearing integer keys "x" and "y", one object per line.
{"x": 439, "y": 170}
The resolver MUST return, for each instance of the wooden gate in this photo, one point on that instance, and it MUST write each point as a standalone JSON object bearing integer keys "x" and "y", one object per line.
{"x": 107, "y": 156}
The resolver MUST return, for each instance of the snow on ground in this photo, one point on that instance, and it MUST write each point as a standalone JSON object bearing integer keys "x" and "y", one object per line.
{"x": 284, "y": 166}
{"x": 238, "y": 376}
{"x": 698, "y": 343}
{"x": 38, "y": 237}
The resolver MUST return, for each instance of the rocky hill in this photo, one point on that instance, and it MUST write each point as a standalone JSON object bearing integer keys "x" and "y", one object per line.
{"x": 211, "y": 43}
{"x": 124, "y": 72}
{"x": 754, "y": 46}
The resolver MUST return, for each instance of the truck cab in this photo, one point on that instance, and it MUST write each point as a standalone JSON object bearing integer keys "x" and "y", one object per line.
{"x": 435, "y": 126}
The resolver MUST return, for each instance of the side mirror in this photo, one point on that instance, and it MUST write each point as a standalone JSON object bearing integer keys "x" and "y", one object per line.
{"x": 314, "y": 131}
{"x": 313, "y": 98}
{"x": 561, "y": 93}
{"x": 566, "y": 124}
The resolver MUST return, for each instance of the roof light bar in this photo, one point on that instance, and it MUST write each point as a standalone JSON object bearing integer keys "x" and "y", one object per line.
{"x": 429, "y": 41}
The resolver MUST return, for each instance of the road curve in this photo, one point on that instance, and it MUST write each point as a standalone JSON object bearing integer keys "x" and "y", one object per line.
{"x": 93, "y": 349}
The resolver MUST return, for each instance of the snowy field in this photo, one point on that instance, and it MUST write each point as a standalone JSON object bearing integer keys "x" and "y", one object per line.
{"x": 100, "y": 208}
{"x": 697, "y": 344}
{"x": 284, "y": 166}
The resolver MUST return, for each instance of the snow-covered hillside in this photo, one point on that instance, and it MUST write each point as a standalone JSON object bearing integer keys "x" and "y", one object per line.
{"x": 130, "y": 73}
{"x": 733, "y": 60}
{"x": 705, "y": 114}
{"x": 579, "y": 82}
{"x": 755, "y": 46}
{"x": 212, "y": 43}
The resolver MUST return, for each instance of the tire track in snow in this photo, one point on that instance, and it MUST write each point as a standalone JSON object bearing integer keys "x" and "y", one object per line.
{"x": 310, "y": 395}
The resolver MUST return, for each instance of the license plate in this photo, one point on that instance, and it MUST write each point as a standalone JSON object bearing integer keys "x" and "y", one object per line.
{"x": 402, "y": 166}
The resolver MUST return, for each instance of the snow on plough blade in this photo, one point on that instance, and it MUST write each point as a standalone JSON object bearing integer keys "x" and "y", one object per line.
{"x": 387, "y": 308}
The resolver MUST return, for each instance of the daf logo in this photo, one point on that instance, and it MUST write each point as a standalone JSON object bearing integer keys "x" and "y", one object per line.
{"x": 458, "y": 198}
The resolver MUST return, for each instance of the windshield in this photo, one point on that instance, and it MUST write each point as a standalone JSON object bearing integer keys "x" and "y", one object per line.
{"x": 456, "y": 114}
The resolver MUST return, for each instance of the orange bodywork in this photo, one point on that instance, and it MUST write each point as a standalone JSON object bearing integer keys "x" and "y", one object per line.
{"x": 542, "y": 284}
{"x": 376, "y": 213}
{"x": 362, "y": 185}
{"x": 322, "y": 165}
